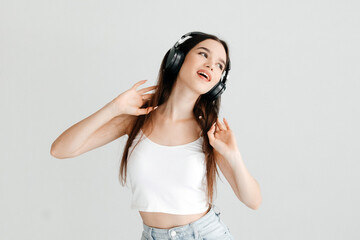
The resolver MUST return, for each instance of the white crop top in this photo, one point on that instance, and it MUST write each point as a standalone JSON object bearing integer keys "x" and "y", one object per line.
{"x": 169, "y": 179}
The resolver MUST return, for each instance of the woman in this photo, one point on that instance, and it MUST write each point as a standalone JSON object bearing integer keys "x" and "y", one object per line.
{"x": 171, "y": 163}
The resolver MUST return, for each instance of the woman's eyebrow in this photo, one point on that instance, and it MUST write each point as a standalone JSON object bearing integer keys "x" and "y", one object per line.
{"x": 208, "y": 50}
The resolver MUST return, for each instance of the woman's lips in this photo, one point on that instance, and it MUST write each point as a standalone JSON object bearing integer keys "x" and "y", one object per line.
{"x": 206, "y": 72}
{"x": 202, "y": 77}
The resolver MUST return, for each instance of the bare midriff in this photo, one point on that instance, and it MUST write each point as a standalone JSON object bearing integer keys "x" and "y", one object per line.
{"x": 166, "y": 221}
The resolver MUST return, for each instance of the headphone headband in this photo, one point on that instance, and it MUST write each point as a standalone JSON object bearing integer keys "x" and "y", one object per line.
{"x": 186, "y": 37}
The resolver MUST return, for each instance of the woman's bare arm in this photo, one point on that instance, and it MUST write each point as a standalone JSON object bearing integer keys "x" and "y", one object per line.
{"x": 96, "y": 130}
{"x": 107, "y": 124}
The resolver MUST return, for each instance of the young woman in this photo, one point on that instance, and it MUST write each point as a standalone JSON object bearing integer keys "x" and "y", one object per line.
{"x": 175, "y": 142}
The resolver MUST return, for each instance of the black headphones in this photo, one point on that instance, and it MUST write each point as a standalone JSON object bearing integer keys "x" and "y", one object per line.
{"x": 176, "y": 58}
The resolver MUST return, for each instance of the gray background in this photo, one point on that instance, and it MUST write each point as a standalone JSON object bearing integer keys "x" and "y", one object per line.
{"x": 291, "y": 101}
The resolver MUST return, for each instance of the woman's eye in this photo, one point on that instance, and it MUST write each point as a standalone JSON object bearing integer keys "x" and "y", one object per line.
{"x": 204, "y": 54}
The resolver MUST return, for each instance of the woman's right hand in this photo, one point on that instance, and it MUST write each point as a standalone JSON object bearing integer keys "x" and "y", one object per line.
{"x": 130, "y": 101}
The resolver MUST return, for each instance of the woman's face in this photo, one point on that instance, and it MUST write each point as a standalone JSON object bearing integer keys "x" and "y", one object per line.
{"x": 206, "y": 58}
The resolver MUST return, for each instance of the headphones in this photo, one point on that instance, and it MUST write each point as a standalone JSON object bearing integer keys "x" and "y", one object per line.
{"x": 176, "y": 58}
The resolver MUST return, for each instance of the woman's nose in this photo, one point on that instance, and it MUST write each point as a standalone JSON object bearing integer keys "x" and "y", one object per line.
{"x": 209, "y": 66}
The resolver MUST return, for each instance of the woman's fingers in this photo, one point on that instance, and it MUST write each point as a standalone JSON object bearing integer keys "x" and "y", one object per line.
{"x": 144, "y": 90}
{"x": 147, "y": 96}
{"x": 142, "y": 111}
{"x": 227, "y": 124}
{"x": 136, "y": 85}
{"x": 220, "y": 125}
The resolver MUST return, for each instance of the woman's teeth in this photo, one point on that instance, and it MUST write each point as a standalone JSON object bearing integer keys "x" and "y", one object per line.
{"x": 204, "y": 75}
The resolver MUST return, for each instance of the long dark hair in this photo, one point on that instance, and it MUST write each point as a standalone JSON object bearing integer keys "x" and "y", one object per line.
{"x": 207, "y": 111}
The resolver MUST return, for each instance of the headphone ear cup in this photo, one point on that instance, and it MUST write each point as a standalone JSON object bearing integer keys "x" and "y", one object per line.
{"x": 179, "y": 60}
{"x": 219, "y": 88}
{"x": 174, "y": 61}
{"x": 169, "y": 59}
{"x": 216, "y": 91}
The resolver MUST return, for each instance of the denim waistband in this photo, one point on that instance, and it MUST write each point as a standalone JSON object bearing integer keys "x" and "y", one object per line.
{"x": 194, "y": 226}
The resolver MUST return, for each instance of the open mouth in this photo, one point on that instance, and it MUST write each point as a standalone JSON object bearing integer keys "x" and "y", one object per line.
{"x": 203, "y": 75}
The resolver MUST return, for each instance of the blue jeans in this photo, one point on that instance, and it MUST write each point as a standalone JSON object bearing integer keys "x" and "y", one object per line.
{"x": 208, "y": 227}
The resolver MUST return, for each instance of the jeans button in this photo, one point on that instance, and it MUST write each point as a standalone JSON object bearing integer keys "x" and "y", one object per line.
{"x": 173, "y": 233}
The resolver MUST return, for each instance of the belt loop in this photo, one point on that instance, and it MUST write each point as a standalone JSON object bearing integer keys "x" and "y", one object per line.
{"x": 196, "y": 233}
{"x": 217, "y": 214}
{"x": 151, "y": 238}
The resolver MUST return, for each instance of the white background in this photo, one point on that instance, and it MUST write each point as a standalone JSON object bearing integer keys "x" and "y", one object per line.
{"x": 291, "y": 99}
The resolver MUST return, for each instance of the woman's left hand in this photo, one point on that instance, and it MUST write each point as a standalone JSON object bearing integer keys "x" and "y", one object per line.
{"x": 222, "y": 139}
